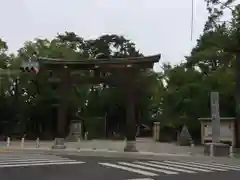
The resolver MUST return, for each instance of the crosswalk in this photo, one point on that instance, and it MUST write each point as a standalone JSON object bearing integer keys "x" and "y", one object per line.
{"x": 156, "y": 168}
{"x": 8, "y": 160}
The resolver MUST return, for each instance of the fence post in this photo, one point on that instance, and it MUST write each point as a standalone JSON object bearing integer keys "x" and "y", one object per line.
{"x": 192, "y": 145}
{"x": 37, "y": 143}
{"x": 86, "y": 136}
{"x": 22, "y": 142}
{"x": 231, "y": 151}
{"x": 211, "y": 150}
{"x": 8, "y": 142}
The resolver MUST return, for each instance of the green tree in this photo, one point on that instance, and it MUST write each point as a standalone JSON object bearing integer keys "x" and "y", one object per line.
{"x": 33, "y": 96}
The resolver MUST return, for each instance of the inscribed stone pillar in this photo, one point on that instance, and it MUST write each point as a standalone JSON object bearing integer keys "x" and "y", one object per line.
{"x": 216, "y": 148}
{"x": 215, "y": 117}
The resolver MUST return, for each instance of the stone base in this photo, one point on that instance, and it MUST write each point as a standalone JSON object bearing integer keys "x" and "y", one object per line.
{"x": 59, "y": 144}
{"x": 216, "y": 149}
{"x": 73, "y": 138}
{"x": 130, "y": 146}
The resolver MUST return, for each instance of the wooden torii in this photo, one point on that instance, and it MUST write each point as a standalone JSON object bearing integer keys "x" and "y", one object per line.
{"x": 122, "y": 72}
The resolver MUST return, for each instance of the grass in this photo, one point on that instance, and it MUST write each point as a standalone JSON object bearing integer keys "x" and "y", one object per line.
{"x": 237, "y": 155}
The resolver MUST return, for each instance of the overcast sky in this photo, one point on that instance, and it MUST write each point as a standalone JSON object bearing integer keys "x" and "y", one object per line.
{"x": 156, "y": 26}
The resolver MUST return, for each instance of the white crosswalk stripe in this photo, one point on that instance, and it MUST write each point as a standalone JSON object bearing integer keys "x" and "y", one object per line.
{"x": 156, "y": 168}
{"x": 148, "y": 168}
{"x": 166, "y": 167}
{"x": 197, "y": 166}
{"x": 228, "y": 167}
{"x": 25, "y": 160}
{"x": 180, "y": 166}
{"x": 138, "y": 171}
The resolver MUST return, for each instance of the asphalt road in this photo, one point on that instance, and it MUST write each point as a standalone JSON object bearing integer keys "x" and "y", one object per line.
{"x": 51, "y": 167}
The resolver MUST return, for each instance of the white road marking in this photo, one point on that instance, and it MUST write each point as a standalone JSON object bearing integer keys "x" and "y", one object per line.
{"x": 16, "y": 158}
{"x": 227, "y": 165}
{"x": 45, "y": 161}
{"x": 165, "y": 167}
{"x": 24, "y": 160}
{"x": 26, "y": 155}
{"x": 141, "y": 179}
{"x": 180, "y": 166}
{"x": 147, "y": 168}
{"x": 7, "y": 157}
{"x": 28, "y": 160}
{"x": 138, "y": 171}
{"x": 39, "y": 164}
{"x": 197, "y": 166}
{"x": 224, "y": 166}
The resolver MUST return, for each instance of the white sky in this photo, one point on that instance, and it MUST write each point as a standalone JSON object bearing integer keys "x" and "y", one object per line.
{"x": 156, "y": 26}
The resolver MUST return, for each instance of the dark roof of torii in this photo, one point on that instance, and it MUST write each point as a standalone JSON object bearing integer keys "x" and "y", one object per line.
{"x": 146, "y": 61}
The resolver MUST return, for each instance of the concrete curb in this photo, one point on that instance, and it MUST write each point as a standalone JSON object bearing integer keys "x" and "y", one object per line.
{"x": 90, "y": 152}
{"x": 107, "y": 150}
{"x": 80, "y": 150}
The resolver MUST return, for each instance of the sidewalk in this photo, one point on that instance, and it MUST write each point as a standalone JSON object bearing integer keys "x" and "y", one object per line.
{"x": 143, "y": 145}
{"x": 114, "y": 149}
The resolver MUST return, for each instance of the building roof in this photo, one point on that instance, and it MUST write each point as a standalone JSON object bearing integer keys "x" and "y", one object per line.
{"x": 221, "y": 118}
{"x": 142, "y": 62}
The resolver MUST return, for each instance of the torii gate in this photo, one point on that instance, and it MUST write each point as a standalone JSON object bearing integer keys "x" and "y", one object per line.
{"x": 125, "y": 72}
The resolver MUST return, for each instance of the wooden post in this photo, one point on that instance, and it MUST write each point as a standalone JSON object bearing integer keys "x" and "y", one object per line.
{"x": 130, "y": 116}
{"x": 130, "y": 124}
{"x": 64, "y": 90}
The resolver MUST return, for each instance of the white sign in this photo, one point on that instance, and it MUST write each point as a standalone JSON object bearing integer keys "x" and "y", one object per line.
{"x": 225, "y": 131}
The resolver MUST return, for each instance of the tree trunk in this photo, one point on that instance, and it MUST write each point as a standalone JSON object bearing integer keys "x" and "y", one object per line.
{"x": 237, "y": 119}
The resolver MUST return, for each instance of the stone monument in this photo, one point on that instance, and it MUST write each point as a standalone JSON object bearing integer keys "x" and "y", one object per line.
{"x": 216, "y": 148}
{"x": 184, "y": 138}
{"x": 75, "y": 132}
